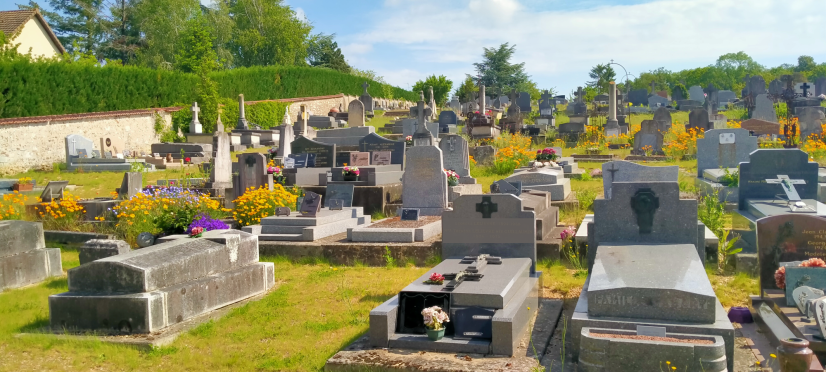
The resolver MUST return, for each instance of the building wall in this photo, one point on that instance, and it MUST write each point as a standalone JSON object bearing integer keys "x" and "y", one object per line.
{"x": 34, "y": 36}
{"x": 41, "y": 144}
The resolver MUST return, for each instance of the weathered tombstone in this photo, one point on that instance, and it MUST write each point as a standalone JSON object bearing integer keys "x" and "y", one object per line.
{"x": 524, "y": 102}
{"x": 648, "y": 139}
{"x": 677, "y": 95}
{"x": 546, "y": 104}
{"x": 359, "y": 159}
{"x": 97, "y": 249}
{"x": 355, "y": 113}
{"x": 447, "y": 118}
{"x": 657, "y": 101}
{"x": 252, "y": 172}
{"x": 626, "y": 171}
{"x": 725, "y": 97}
{"x": 484, "y": 155}
{"x": 195, "y": 126}
{"x": 374, "y": 143}
{"x": 724, "y": 148}
{"x": 286, "y": 136}
{"x": 310, "y": 205}
{"x": 776, "y": 87}
{"x": 325, "y": 153}
{"x": 761, "y": 127}
{"x": 220, "y": 173}
{"x": 113, "y": 145}
{"x": 53, "y": 191}
{"x": 424, "y": 181}
{"x": 366, "y": 99}
{"x": 339, "y": 191}
{"x": 638, "y": 97}
{"x": 775, "y": 237}
{"x": 756, "y": 85}
{"x": 131, "y": 185}
{"x": 810, "y": 120}
{"x": 698, "y": 119}
{"x": 24, "y": 258}
{"x": 242, "y": 116}
{"x": 764, "y": 109}
{"x": 455, "y": 154}
{"x": 695, "y": 93}
{"x": 767, "y": 164}
{"x": 663, "y": 119}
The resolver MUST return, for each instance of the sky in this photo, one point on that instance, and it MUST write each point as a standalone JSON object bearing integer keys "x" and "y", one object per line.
{"x": 560, "y": 40}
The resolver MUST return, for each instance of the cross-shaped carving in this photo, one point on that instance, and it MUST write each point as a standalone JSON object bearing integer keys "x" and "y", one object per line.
{"x": 805, "y": 88}
{"x": 452, "y": 144}
{"x": 365, "y": 86}
{"x": 487, "y": 207}
{"x": 580, "y": 95}
{"x": 195, "y": 110}
{"x": 788, "y": 186}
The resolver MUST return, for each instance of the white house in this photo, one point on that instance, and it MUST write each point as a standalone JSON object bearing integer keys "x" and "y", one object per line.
{"x": 30, "y": 30}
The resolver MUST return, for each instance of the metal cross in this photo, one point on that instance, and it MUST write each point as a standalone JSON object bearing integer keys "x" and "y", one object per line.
{"x": 788, "y": 186}
{"x": 805, "y": 88}
{"x": 486, "y": 207}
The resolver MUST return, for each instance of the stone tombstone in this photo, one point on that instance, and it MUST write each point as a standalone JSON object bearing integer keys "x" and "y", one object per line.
{"x": 220, "y": 173}
{"x": 366, "y": 99}
{"x": 242, "y": 116}
{"x": 252, "y": 172}
{"x": 677, "y": 95}
{"x": 698, "y": 119}
{"x": 359, "y": 159}
{"x": 97, "y": 249}
{"x": 626, "y": 171}
{"x": 645, "y": 213}
{"x": 131, "y": 185}
{"x": 112, "y": 144}
{"x": 484, "y": 155}
{"x": 820, "y": 86}
{"x": 546, "y": 104}
{"x": 339, "y": 191}
{"x": 657, "y": 101}
{"x": 787, "y": 237}
{"x": 504, "y": 99}
{"x": 424, "y": 183}
{"x": 696, "y": 93}
{"x": 310, "y": 205}
{"x": 764, "y": 109}
{"x": 195, "y": 126}
{"x": 325, "y": 153}
{"x": 53, "y": 191}
{"x": 76, "y": 142}
{"x": 761, "y": 127}
{"x": 285, "y": 138}
{"x": 409, "y": 214}
{"x": 649, "y": 137}
{"x": 493, "y": 224}
{"x": 726, "y": 96}
{"x": 776, "y": 87}
{"x": 810, "y": 120}
{"x": 724, "y": 148}
{"x": 638, "y": 97}
{"x": 455, "y": 154}
{"x": 374, "y": 143}
{"x": 381, "y": 158}
{"x": 447, "y": 118}
{"x": 663, "y": 119}
{"x": 524, "y": 102}
{"x": 768, "y": 164}
{"x": 24, "y": 258}
{"x": 756, "y": 85}
{"x": 355, "y": 113}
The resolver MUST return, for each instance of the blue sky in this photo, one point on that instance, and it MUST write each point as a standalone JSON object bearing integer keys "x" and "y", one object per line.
{"x": 560, "y": 40}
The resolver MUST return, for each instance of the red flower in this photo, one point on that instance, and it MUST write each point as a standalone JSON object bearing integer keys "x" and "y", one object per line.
{"x": 780, "y": 277}
{"x": 813, "y": 262}
{"x": 196, "y": 231}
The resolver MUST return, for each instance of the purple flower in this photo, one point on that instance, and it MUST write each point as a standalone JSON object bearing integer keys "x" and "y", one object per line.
{"x": 207, "y": 223}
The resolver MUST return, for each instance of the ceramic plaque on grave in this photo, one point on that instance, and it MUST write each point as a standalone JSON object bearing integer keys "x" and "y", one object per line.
{"x": 359, "y": 159}
{"x": 373, "y": 143}
{"x": 298, "y": 160}
{"x": 409, "y": 214}
{"x": 335, "y": 204}
{"x": 311, "y": 204}
{"x": 325, "y": 154}
{"x": 802, "y": 295}
{"x": 798, "y": 277}
{"x": 820, "y": 315}
{"x": 381, "y": 158}
{"x": 786, "y": 238}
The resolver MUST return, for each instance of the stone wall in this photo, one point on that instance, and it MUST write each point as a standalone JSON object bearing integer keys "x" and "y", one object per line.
{"x": 322, "y": 105}
{"x": 39, "y": 142}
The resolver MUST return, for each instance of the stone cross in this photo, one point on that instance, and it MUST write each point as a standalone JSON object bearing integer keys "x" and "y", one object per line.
{"x": 195, "y": 125}
{"x": 788, "y": 186}
{"x": 653, "y": 87}
{"x": 613, "y": 170}
{"x": 420, "y": 119}
{"x": 365, "y": 86}
{"x": 486, "y": 207}
{"x": 747, "y": 79}
{"x": 195, "y": 110}
{"x": 711, "y": 98}
{"x": 580, "y": 95}
{"x": 242, "y": 117}
{"x": 805, "y": 88}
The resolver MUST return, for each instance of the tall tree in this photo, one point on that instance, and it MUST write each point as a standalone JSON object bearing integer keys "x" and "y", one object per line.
{"x": 441, "y": 88}
{"x": 161, "y": 24}
{"x": 463, "y": 91}
{"x": 497, "y": 72}
{"x": 601, "y": 75}
{"x": 323, "y": 51}
{"x": 805, "y": 64}
{"x": 77, "y": 23}
{"x": 267, "y": 32}
{"x": 196, "y": 55}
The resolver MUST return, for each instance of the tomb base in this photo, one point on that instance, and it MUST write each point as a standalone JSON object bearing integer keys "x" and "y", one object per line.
{"x": 30, "y": 267}
{"x": 372, "y": 198}
{"x": 559, "y": 191}
{"x": 778, "y": 321}
{"x": 296, "y": 228}
{"x": 454, "y": 192}
{"x": 724, "y": 193}
{"x": 394, "y": 235}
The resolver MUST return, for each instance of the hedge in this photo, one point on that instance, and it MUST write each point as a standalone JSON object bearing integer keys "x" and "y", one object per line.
{"x": 265, "y": 114}
{"x": 56, "y": 88}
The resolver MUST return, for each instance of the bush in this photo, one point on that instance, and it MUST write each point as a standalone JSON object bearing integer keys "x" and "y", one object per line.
{"x": 66, "y": 214}
{"x": 259, "y": 203}
{"x": 13, "y": 206}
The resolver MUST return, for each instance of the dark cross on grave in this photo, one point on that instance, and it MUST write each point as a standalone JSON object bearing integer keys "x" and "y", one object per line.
{"x": 711, "y": 98}
{"x": 513, "y": 97}
{"x": 580, "y": 95}
{"x": 365, "y": 86}
{"x": 805, "y": 88}
{"x": 644, "y": 204}
{"x": 613, "y": 170}
{"x": 487, "y": 207}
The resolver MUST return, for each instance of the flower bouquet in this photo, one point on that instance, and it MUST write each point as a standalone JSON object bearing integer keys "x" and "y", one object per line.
{"x": 196, "y": 232}
{"x": 351, "y": 173}
{"x": 272, "y": 152}
{"x": 796, "y": 273}
{"x": 202, "y": 223}
{"x": 435, "y": 278}
{"x": 23, "y": 184}
{"x": 434, "y": 320}
{"x": 546, "y": 155}
{"x": 408, "y": 141}
{"x": 277, "y": 175}
{"x": 452, "y": 178}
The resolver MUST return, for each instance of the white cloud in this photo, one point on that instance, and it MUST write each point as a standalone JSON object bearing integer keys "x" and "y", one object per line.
{"x": 299, "y": 14}
{"x": 560, "y": 46}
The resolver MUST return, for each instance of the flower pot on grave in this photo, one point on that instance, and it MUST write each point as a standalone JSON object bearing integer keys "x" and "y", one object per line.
{"x": 298, "y": 202}
{"x": 23, "y": 187}
{"x": 279, "y": 180}
{"x": 435, "y": 335}
{"x": 351, "y": 177}
{"x": 452, "y": 183}
{"x": 794, "y": 355}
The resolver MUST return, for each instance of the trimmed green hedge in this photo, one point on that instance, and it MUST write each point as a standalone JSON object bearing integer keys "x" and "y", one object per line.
{"x": 266, "y": 114}
{"x": 56, "y": 88}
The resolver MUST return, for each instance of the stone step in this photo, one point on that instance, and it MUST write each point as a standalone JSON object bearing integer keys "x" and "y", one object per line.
{"x": 324, "y": 216}
{"x": 276, "y": 229}
{"x": 314, "y": 233}
{"x": 280, "y": 237}
{"x": 445, "y": 345}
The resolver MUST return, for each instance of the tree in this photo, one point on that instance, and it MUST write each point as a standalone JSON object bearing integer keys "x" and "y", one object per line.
{"x": 267, "y": 32}
{"x": 733, "y": 68}
{"x": 463, "y": 91}
{"x": 324, "y": 52}
{"x": 496, "y": 71}
{"x": 805, "y": 64}
{"x": 76, "y": 23}
{"x": 162, "y": 23}
{"x": 681, "y": 88}
{"x": 367, "y": 74}
{"x": 601, "y": 75}
{"x": 441, "y": 88}
{"x": 8, "y": 52}
{"x": 196, "y": 55}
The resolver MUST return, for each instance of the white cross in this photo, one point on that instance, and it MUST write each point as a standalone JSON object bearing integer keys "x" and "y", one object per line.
{"x": 788, "y": 186}
{"x": 195, "y": 110}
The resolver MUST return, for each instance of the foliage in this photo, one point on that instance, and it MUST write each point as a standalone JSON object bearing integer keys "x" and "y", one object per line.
{"x": 679, "y": 87}
{"x": 593, "y": 139}
{"x": 570, "y": 249}
{"x": 167, "y": 210}
{"x": 712, "y": 213}
{"x": 207, "y": 223}
{"x": 514, "y": 152}
{"x": 256, "y": 204}
{"x": 441, "y": 88}
{"x": 195, "y": 52}
{"x": 13, "y": 206}
{"x": 65, "y": 214}
{"x": 601, "y": 76}
{"x": 679, "y": 141}
{"x": 497, "y": 72}
{"x": 730, "y": 179}
{"x": 463, "y": 91}
{"x": 726, "y": 250}
{"x": 323, "y": 51}
{"x": 8, "y": 51}
{"x": 267, "y": 32}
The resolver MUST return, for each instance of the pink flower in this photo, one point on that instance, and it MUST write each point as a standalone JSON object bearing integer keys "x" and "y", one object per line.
{"x": 196, "y": 231}
{"x": 813, "y": 262}
{"x": 780, "y": 277}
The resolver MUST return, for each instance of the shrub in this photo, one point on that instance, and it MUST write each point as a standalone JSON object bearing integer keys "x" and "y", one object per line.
{"x": 514, "y": 151}
{"x": 258, "y": 203}
{"x": 207, "y": 223}
{"x": 13, "y": 206}
{"x": 65, "y": 214}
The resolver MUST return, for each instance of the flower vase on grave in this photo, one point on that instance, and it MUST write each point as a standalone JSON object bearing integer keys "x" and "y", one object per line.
{"x": 435, "y": 334}
{"x": 794, "y": 354}
{"x": 351, "y": 173}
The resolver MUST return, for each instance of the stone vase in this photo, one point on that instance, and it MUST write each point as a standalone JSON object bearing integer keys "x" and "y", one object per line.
{"x": 436, "y": 335}
{"x": 794, "y": 355}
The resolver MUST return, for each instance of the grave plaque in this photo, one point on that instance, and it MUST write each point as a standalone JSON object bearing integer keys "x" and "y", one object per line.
{"x": 785, "y": 238}
{"x": 325, "y": 155}
{"x": 381, "y": 158}
{"x": 725, "y": 148}
{"x": 335, "y": 204}
{"x": 761, "y": 127}
{"x": 53, "y": 191}
{"x": 112, "y": 144}
{"x": 340, "y": 191}
{"x": 766, "y": 164}
{"x": 375, "y": 143}
{"x": 801, "y": 295}
{"x": 359, "y": 159}
{"x": 311, "y": 204}
{"x": 410, "y": 214}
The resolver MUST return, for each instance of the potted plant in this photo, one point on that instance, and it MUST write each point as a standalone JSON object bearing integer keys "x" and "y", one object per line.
{"x": 23, "y": 184}
{"x": 408, "y": 141}
{"x": 434, "y": 320}
{"x": 277, "y": 176}
{"x": 452, "y": 178}
{"x": 351, "y": 173}
{"x": 436, "y": 279}
{"x": 272, "y": 152}
{"x": 546, "y": 155}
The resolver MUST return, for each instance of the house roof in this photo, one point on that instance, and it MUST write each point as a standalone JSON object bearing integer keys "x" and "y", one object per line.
{"x": 12, "y": 21}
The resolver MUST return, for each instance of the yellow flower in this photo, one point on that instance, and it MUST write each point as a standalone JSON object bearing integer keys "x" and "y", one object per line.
{"x": 773, "y": 356}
